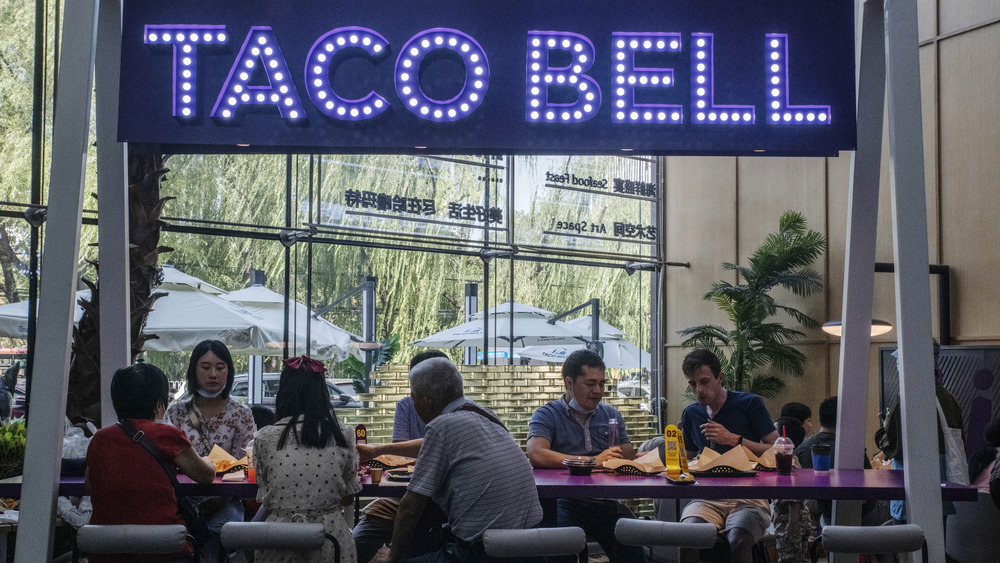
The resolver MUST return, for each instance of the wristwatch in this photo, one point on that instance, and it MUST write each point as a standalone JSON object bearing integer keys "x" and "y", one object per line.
{"x": 739, "y": 441}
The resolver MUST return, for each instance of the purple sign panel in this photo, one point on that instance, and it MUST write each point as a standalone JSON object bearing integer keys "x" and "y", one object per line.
{"x": 769, "y": 77}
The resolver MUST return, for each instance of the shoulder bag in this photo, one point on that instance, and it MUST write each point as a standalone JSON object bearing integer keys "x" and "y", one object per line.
{"x": 954, "y": 449}
{"x": 196, "y": 524}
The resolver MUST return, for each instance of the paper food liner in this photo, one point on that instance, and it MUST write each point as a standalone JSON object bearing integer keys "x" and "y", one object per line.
{"x": 735, "y": 458}
{"x": 648, "y": 462}
{"x": 767, "y": 459}
{"x": 224, "y": 461}
{"x": 390, "y": 461}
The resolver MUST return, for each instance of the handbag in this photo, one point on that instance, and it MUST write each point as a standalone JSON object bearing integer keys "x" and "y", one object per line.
{"x": 954, "y": 450}
{"x": 196, "y": 524}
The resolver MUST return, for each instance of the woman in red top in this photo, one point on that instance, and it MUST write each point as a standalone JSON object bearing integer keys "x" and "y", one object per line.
{"x": 127, "y": 484}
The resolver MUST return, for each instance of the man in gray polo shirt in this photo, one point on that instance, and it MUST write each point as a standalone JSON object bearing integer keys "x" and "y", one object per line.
{"x": 469, "y": 465}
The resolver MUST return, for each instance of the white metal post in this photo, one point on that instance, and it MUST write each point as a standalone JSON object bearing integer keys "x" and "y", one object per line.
{"x": 913, "y": 306}
{"x": 859, "y": 255}
{"x": 112, "y": 182}
{"x": 58, "y": 287}
{"x": 255, "y": 380}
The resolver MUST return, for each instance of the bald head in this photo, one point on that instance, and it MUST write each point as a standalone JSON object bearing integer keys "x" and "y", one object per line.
{"x": 437, "y": 380}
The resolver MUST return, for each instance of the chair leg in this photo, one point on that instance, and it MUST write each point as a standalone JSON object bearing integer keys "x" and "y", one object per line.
{"x": 336, "y": 547}
{"x": 814, "y": 549}
{"x": 759, "y": 553}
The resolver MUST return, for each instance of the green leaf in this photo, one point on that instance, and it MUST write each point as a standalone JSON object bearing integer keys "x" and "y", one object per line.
{"x": 757, "y": 342}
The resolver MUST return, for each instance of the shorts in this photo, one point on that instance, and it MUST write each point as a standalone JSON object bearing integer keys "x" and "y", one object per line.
{"x": 750, "y": 515}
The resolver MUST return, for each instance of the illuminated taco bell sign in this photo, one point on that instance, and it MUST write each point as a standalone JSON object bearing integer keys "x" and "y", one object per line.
{"x": 653, "y": 77}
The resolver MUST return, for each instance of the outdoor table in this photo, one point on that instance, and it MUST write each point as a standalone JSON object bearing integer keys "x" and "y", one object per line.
{"x": 835, "y": 484}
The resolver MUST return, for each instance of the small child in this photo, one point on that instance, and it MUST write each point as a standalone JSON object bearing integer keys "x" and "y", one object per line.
{"x": 790, "y": 517}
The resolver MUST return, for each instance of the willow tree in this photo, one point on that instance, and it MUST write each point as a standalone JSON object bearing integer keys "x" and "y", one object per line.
{"x": 756, "y": 351}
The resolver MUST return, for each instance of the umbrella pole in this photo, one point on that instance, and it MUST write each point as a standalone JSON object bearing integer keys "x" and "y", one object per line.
{"x": 471, "y": 306}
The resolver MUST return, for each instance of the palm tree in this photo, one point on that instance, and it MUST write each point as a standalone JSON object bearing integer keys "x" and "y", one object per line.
{"x": 145, "y": 174}
{"x": 756, "y": 341}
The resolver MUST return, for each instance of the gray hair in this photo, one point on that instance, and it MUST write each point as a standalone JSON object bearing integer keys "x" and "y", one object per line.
{"x": 437, "y": 379}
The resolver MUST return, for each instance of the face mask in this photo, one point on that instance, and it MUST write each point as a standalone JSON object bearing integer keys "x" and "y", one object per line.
{"x": 576, "y": 406}
{"x": 210, "y": 395}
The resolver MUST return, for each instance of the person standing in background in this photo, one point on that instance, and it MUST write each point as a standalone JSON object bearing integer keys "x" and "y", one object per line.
{"x": 890, "y": 438}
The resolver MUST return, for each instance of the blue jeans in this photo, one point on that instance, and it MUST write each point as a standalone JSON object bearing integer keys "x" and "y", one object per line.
{"x": 232, "y": 511}
{"x": 897, "y": 508}
{"x": 598, "y": 519}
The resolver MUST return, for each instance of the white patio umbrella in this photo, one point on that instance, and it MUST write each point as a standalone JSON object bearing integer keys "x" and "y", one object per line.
{"x": 531, "y": 327}
{"x": 618, "y": 354}
{"x": 181, "y": 319}
{"x": 193, "y": 310}
{"x": 327, "y": 340}
{"x": 519, "y": 309}
{"x": 606, "y": 330}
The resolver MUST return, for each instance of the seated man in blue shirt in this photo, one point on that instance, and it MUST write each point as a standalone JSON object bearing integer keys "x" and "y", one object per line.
{"x": 375, "y": 527}
{"x": 462, "y": 441}
{"x": 579, "y": 424}
{"x": 722, "y": 420}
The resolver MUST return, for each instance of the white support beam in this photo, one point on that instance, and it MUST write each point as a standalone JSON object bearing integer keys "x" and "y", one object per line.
{"x": 913, "y": 304}
{"x": 112, "y": 182}
{"x": 60, "y": 254}
{"x": 859, "y": 256}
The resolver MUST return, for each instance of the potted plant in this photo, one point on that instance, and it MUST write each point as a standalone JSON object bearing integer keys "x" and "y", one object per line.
{"x": 13, "y": 437}
{"x": 756, "y": 350}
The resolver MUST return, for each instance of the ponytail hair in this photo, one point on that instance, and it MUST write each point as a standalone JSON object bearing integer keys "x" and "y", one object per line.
{"x": 304, "y": 396}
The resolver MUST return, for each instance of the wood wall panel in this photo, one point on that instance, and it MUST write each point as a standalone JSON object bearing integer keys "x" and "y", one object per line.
{"x": 838, "y": 179}
{"x": 701, "y": 226}
{"x": 970, "y": 179}
{"x": 767, "y": 188}
{"x": 926, "y": 19}
{"x": 960, "y": 14}
{"x": 811, "y": 388}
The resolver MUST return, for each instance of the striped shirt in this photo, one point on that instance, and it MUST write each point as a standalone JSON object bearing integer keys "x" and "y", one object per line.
{"x": 475, "y": 471}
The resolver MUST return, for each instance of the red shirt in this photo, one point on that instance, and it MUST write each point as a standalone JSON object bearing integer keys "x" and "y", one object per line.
{"x": 127, "y": 484}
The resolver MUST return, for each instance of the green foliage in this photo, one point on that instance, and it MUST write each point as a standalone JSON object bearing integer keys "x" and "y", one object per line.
{"x": 355, "y": 368}
{"x": 756, "y": 344}
{"x": 12, "y": 440}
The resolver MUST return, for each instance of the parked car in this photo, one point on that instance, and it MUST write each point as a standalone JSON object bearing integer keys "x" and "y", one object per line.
{"x": 340, "y": 398}
{"x": 632, "y": 388}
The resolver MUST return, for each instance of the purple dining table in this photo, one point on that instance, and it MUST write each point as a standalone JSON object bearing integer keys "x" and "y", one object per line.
{"x": 836, "y": 484}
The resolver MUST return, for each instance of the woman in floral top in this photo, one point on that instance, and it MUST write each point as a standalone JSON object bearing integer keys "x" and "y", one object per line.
{"x": 209, "y": 416}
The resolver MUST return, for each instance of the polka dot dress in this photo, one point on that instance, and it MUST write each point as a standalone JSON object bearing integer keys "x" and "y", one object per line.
{"x": 299, "y": 484}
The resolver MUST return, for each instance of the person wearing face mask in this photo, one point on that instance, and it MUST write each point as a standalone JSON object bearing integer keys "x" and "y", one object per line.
{"x": 580, "y": 424}
{"x": 209, "y": 416}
